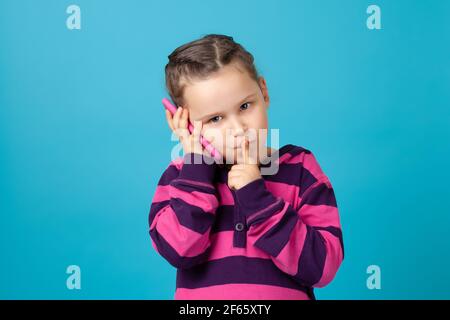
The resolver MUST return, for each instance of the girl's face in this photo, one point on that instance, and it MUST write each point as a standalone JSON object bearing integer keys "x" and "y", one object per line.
{"x": 231, "y": 106}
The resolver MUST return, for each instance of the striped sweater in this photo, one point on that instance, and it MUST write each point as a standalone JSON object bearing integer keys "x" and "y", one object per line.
{"x": 278, "y": 237}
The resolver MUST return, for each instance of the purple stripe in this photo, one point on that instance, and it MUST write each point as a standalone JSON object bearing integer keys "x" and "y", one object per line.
{"x": 284, "y": 149}
{"x": 169, "y": 253}
{"x": 306, "y": 180}
{"x": 320, "y": 195}
{"x": 195, "y": 168}
{"x": 276, "y": 238}
{"x": 337, "y": 232}
{"x": 288, "y": 173}
{"x": 189, "y": 216}
{"x": 293, "y": 174}
{"x": 197, "y": 183}
{"x": 222, "y": 175}
{"x": 312, "y": 258}
{"x": 236, "y": 269}
{"x": 224, "y": 219}
{"x": 291, "y": 149}
{"x": 192, "y": 217}
{"x": 168, "y": 175}
{"x": 186, "y": 186}
{"x": 253, "y": 197}
{"x": 155, "y": 208}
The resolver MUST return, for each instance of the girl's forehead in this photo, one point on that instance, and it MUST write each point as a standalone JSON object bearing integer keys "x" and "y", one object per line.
{"x": 218, "y": 93}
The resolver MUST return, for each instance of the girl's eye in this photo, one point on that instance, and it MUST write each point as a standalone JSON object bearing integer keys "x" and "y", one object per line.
{"x": 245, "y": 106}
{"x": 215, "y": 119}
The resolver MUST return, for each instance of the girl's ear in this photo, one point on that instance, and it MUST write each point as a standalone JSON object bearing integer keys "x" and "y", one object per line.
{"x": 263, "y": 86}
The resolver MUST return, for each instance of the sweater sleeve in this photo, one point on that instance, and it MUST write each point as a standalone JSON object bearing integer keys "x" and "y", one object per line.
{"x": 304, "y": 242}
{"x": 183, "y": 211}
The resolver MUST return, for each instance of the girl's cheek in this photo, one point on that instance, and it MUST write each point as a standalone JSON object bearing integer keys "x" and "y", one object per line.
{"x": 214, "y": 136}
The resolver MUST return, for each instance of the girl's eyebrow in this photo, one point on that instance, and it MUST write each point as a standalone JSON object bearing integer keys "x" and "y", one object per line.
{"x": 239, "y": 104}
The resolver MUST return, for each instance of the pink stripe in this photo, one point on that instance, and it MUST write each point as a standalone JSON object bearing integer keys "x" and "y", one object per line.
{"x": 184, "y": 241}
{"x": 310, "y": 163}
{"x": 225, "y": 196}
{"x": 240, "y": 291}
{"x": 333, "y": 259}
{"x": 287, "y": 259}
{"x": 320, "y": 215}
{"x": 283, "y": 190}
{"x": 222, "y": 247}
{"x": 208, "y": 202}
{"x": 161, "y": 194}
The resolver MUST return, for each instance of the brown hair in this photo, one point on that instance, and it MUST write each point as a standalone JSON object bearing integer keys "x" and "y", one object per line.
{"x": 200, "y": 58}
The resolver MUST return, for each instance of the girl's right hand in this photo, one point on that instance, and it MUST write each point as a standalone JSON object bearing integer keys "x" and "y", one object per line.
{"x": 179, "y": 125}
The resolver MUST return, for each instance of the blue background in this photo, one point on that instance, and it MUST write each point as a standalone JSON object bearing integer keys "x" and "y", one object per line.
{"x": 83, "y": 137}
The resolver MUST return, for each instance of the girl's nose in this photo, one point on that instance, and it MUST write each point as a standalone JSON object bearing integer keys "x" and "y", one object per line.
{"x": 237, "y": 127}
{"x": 236, "y": 132}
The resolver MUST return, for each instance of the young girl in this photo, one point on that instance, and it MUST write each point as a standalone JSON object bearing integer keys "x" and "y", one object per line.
{"x": 231, "y": 232}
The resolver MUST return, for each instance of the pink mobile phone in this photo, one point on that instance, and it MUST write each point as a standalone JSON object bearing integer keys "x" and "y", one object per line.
{"x": 205, "y": 143}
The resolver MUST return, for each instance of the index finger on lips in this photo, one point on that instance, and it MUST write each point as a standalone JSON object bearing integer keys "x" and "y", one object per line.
{"x": 245, "y": 151}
